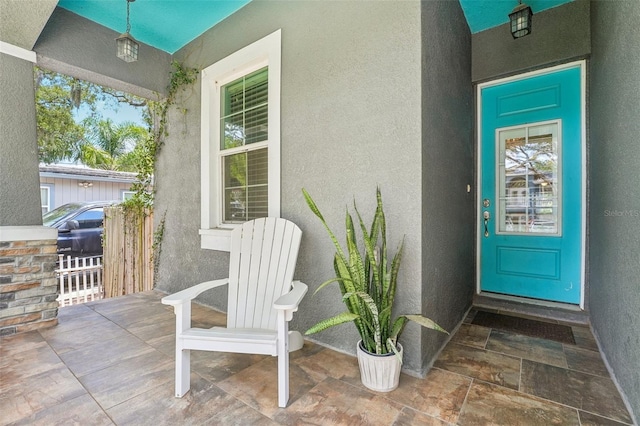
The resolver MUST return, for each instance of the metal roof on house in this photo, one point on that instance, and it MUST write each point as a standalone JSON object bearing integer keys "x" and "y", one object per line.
{"x": 85, "y": 173}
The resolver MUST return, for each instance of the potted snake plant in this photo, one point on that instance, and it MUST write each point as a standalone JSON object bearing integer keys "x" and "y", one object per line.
{"x": 368, "y": 282}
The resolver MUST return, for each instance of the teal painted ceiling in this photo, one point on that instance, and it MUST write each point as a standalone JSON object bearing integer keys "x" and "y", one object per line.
{"x": 170, "y": 24}
{"x": 485, "y": 14}
{"x": 164, "y": 24}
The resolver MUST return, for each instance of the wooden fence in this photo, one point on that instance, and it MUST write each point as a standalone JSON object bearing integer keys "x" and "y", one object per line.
{"x": 79, "y": 280}
{"x": 128, "y": 251}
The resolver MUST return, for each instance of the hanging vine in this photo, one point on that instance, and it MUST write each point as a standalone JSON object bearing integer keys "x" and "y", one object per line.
{"x": 156, "y": 248}
{"x": 146, "y": 154}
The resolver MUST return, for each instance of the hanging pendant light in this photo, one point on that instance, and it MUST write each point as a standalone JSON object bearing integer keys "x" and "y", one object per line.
{"x": 520, "y": 19}
{"x": 127, "y": 45}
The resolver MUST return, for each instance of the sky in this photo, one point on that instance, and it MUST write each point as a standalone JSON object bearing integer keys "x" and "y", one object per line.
{"x": 125, "y": 112}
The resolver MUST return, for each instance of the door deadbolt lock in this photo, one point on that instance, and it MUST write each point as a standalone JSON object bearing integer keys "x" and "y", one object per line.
{"x": 486, "y": 203}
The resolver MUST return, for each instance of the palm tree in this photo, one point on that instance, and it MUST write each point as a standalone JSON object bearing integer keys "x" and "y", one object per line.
{"x": 109, "y": 145}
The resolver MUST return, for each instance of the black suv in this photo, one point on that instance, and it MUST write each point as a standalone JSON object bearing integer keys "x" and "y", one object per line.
{"x": 79, "y": 227}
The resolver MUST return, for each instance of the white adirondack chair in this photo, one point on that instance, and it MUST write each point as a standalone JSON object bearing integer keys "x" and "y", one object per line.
{"x": 262, "y": 298}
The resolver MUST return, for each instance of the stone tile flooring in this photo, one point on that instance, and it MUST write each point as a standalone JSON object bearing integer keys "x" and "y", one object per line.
{"x": 111, "y": 362}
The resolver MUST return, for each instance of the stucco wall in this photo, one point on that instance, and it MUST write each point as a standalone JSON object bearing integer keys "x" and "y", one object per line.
{"x": 558, "y": 35}
{"x": 23, "y": 20}
{"x": 448, "y": 218}
{"x": 615, "y": 190}
{"x": 19, "y": 180}
{"x": 350, "y": 118}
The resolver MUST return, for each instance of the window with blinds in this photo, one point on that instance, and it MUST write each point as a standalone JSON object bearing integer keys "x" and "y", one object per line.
{"x": 244, "y": 147}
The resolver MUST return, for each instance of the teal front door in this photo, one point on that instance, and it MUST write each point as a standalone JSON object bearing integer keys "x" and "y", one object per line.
{"x": 532, "y": 186}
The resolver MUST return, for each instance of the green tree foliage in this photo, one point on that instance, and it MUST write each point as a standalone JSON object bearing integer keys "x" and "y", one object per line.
{"x": 101, "y": 143}
{"x": 111, "y": 146}
{"x": 60, "y": 137}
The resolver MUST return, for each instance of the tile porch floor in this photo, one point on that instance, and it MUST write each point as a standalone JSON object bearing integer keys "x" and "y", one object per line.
{"x": 111, "y": 362}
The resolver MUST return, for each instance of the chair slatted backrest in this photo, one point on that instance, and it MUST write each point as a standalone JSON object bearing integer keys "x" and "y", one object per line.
{"x": 262, "y": 263}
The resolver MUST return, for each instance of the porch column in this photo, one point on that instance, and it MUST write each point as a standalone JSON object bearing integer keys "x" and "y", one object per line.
{"x": 19, "y": 179}
{"x": 28, "y": 288}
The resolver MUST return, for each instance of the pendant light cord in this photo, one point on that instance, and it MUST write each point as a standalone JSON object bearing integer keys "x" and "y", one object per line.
{"x": 128, "y": 25}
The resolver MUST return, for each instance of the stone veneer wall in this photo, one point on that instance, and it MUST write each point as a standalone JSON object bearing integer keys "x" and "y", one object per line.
{"x": 28, "y": 287}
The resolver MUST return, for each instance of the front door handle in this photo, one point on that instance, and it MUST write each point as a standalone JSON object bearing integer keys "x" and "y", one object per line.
{"x": 486, "y": 215}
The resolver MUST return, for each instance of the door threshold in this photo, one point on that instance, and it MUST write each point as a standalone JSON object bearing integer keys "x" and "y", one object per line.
{"x": 538, "y": 309}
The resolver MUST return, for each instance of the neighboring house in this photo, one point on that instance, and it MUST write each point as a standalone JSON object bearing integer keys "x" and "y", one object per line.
{"x": 417, "y": 97}
{"x": 62, "y": 184}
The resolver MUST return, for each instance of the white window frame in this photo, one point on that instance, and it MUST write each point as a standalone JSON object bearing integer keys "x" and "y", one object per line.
{"x": 214, "y": 234}
{"x": 124, "y": 193}
{"x": 49, "y": 189}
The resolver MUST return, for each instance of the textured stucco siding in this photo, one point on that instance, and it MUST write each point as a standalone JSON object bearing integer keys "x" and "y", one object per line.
{"x": 23, "y": 20}
{"x": 350, "y": 117}
{"x": 614, "y": 249}
{"x": 19, "y": 180}
{"x": 557, "y": 35}
{"x": 448, "y": 218}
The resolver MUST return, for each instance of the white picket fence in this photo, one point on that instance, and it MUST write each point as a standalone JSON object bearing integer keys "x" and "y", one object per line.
{"x": 80, "y": 280}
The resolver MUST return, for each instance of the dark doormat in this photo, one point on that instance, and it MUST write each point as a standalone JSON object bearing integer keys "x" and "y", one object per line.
{"x": 527, "y": 327}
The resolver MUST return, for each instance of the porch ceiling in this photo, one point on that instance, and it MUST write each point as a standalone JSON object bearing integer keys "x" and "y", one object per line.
{"x": 485, "y": 14}
{"x": 168, "y": 24}
{"x": 164, "y": 24}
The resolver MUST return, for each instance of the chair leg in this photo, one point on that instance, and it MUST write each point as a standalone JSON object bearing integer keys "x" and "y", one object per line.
{"x": 283, "y": 360}
{"x": 183, "y": 356}
{"x": 183, "y": 371}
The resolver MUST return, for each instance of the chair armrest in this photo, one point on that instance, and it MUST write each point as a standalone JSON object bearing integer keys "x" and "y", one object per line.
{"x": 192, "y": 292}
{"x": 291, "y": 300}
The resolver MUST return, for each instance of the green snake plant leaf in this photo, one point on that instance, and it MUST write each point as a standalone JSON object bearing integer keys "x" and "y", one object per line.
{"x": 343, "y": 272}
{"x": 367, "y": 282}
{"x": 392, "y": 345}
{"x": 380, "y": 225}
{"x": 392, "y": 283}
{"x": 380, "y": 212}
{"x": 398, "y": 326}
{"x": 327, "y": 282}
{"x": 330, "y": 322}
{"x": 356, "y": 264}
{"x": 372, "y": 258}
{"x": 426, "y": 322}
{"x": 375, "y": 321}
{"x": 354, "y": 305}
{"x": 314, "y": 208}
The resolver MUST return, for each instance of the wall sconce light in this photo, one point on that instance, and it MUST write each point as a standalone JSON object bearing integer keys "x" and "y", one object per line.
{"x": 85, "y": 184}
{"x": 520, "y": 19}
{"x": 127, "y": 45}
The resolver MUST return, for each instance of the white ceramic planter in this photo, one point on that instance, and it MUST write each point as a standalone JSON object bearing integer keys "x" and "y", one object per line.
{"x": 380, "y": 373}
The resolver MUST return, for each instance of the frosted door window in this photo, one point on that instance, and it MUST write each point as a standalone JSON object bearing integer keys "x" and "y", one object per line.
{"x": 529, "y": 183}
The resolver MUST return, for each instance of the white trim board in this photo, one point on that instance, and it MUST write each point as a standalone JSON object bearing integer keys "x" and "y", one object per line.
{"x": 214, "y": 234}
{"x": 17, "y": 52}
{"x": 27, "y": 233}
